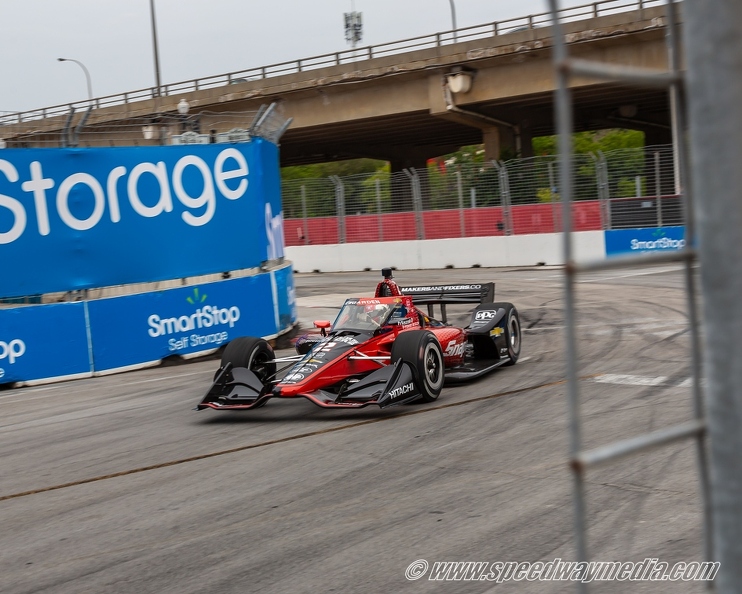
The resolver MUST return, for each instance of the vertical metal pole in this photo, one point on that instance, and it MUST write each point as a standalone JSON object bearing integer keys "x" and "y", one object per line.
{"x": 341, "y": 196}
{"x": 453, "y": 18}
{"x": 419, "y": 205}
{"x": 712, "y": 49}
{"x": 607, "y": 193}
{"x": 565, "y": 127}
{"x": 658, "y": 187}
{"x": 552, "y": 196}
{"x": 507, "y": 203}
{"x": 416, "y": 200}
{"x": 154, "y": 47}
{"x": 378, "y": 209}
{"x": 460, "y": 191}
{"x": 638, "y": 185}
{"x": 339, "y": 206}
{"x": 473, "y": 196}
{"x": 304, "y": 214}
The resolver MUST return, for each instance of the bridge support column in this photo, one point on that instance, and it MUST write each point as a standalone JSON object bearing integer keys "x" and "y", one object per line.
{"x": 526, "y": 140}
{"x": 499, "y": 143}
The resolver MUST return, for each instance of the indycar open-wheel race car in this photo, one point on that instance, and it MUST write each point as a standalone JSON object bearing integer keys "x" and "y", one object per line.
{"x": 380, "y": 350}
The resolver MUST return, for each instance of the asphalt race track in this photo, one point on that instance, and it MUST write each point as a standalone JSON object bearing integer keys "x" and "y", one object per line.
{"x": 114, "y": 484}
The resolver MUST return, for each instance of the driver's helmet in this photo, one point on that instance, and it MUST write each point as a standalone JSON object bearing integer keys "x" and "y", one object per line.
{"x": 375, "y": 313}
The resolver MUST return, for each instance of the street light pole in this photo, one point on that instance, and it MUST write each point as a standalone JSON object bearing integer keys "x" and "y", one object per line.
{"x": 453, "y": 18}
{"x": 87, "y": 76}
{"x": 154, "y": 46}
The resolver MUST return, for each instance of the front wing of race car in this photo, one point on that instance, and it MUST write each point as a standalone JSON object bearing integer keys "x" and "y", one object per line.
{"x": 238, "y": 388}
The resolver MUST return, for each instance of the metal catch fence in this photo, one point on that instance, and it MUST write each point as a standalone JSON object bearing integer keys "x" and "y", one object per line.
{"x": 624, "y": 188}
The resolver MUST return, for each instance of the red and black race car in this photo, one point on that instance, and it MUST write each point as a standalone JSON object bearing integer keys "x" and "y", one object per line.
{"x": 380, "y": 350}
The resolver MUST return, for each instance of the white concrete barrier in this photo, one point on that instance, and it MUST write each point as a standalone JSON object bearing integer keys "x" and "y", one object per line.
{"x": 488, "y": 252}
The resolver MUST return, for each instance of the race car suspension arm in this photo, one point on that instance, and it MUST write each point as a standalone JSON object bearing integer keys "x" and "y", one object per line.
{"x": 357, "y": 355}
{"x": 289, "y": 359}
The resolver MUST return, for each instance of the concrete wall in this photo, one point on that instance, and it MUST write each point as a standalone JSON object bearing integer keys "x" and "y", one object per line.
{"x": 514, "y": 250}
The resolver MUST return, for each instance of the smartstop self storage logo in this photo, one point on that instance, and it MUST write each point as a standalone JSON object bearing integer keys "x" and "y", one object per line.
{"x": 10, "y": 352}
{"x": 637, "y": 241}
{"x": 661, "y": 242}
{"x": 208, "y": 325}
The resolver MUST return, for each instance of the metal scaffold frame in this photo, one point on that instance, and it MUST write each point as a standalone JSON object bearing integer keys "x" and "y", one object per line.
{"x": 581, "y": 460}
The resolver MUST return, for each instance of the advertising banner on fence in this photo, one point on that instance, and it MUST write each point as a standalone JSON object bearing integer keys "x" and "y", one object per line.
{"x": 41, "y": 341}
{"x": 94, "y": 217}
{"x": 137, "y": 329}
{"x": 285, "y": 296}
{"x": 639, "y": 241}
{"x": 79, "y": 339}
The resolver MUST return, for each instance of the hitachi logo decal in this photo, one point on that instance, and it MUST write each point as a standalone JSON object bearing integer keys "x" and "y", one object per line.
{"x": 402, "y": 390}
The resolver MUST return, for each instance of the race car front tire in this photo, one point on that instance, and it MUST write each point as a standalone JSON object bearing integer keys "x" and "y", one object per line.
{"x": 421, "y": 349}
{"x": 512, "y": 334}
{"x": 253, "y": 353}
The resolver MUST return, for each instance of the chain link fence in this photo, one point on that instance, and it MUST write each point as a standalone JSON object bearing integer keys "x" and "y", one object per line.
{"x": 618, "y": 189}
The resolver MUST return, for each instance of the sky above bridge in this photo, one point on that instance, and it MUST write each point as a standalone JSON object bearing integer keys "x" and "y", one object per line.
{"x": 198, "y": 38}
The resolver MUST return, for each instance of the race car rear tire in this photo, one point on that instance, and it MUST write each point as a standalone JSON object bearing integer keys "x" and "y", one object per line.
{"x": 512, "y": 335}
{"x": 423, "y": 352}
{"x": 253, "y": 353}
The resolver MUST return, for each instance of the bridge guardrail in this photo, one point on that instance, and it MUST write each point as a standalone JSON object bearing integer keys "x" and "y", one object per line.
{"x": 576, "y": 13}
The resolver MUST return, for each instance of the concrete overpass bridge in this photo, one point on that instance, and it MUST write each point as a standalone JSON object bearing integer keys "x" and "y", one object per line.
{"x": 407, "y": 101}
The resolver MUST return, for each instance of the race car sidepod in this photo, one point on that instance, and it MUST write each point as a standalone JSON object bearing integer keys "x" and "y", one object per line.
{"x": 391, "y": 385}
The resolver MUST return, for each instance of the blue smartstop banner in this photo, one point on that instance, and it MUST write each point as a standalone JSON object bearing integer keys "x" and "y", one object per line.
{"x": 641, "y": 241}
{"x": 94, "y": 217}
{"x": 137, "y": 329}
{"x": 77, "y": 339}
{"x": 43, "y": 341}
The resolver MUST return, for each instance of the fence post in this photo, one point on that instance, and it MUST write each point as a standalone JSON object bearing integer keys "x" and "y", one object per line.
{"x": 509, "y": 229}
{"x": 418, "y": 206}
{"x": 606, "y": 191}
{"x": 460, "y": 191}
{"x": 658, "y": 187}
{"x": 604, "y": 198}
{"x": 411, "y": 174}
{"x": 507, "y": 214}
{"x": 378, "y": 209}
{"x": 339, "y": 206}
{"x": 552, "y": 197}
{"x": 304, "y": 213}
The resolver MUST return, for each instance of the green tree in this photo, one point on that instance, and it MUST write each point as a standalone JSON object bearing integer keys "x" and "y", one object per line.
{"x": 319, "y": 189}
{"x": 592, "y": 142}
{"x": 341, "y": 168}
{"x": 623, "y": 150}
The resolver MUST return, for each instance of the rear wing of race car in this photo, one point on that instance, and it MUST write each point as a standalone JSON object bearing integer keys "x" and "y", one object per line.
{"x": 445, "y": 294}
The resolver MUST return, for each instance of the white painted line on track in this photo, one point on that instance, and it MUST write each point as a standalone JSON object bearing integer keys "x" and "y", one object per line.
{"x": 620, "y": 379}
{"x": 629, "y": 275}
{"x": 630, "y": 380}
